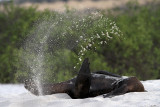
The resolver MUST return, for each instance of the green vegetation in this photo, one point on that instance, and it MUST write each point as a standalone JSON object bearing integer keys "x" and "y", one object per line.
{"x": 139, "y": 53}
{"x": 136, "y": 53}
{"x": 15, "y": 23}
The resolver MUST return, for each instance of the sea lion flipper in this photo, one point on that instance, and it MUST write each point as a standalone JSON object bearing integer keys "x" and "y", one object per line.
{"x": 85, "y": 67}
{"x": 118, "y": 91}
{"x": 31, "y": 86}
{"x": 83, "y": 81}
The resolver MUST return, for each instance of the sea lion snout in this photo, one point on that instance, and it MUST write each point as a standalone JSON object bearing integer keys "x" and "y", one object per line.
{"x": 134, "y": 85}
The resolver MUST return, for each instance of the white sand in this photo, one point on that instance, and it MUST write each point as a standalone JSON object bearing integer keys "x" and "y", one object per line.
{"x": 18, "y": 96}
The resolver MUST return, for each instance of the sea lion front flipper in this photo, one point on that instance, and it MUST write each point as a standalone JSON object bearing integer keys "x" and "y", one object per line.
{"x": 118, "y": 91}
{"x": 83, "y": 81}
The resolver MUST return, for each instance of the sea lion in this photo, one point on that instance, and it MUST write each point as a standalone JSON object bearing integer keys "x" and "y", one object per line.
{"x": 88, "y": 84}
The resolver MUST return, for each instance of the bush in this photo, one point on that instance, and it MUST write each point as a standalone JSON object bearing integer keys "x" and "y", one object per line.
{"x": 136, "y": 53}
{"x": 15, "y": 23}
{"x": 58, "y": 43}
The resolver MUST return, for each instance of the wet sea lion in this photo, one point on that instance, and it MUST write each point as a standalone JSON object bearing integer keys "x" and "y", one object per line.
{"x": 88, "y": 84}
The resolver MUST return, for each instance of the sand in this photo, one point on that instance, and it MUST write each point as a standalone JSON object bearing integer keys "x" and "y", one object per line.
{"x": 15, "y": 95}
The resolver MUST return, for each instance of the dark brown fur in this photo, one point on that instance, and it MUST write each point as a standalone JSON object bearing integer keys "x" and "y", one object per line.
{"x": 88, "y": 84}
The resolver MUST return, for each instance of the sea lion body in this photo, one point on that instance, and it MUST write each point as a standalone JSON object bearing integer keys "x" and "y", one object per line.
{"x": 88, "y": 84}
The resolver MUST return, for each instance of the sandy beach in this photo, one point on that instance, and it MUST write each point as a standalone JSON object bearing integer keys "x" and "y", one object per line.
{"x": 15, "y": 95}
